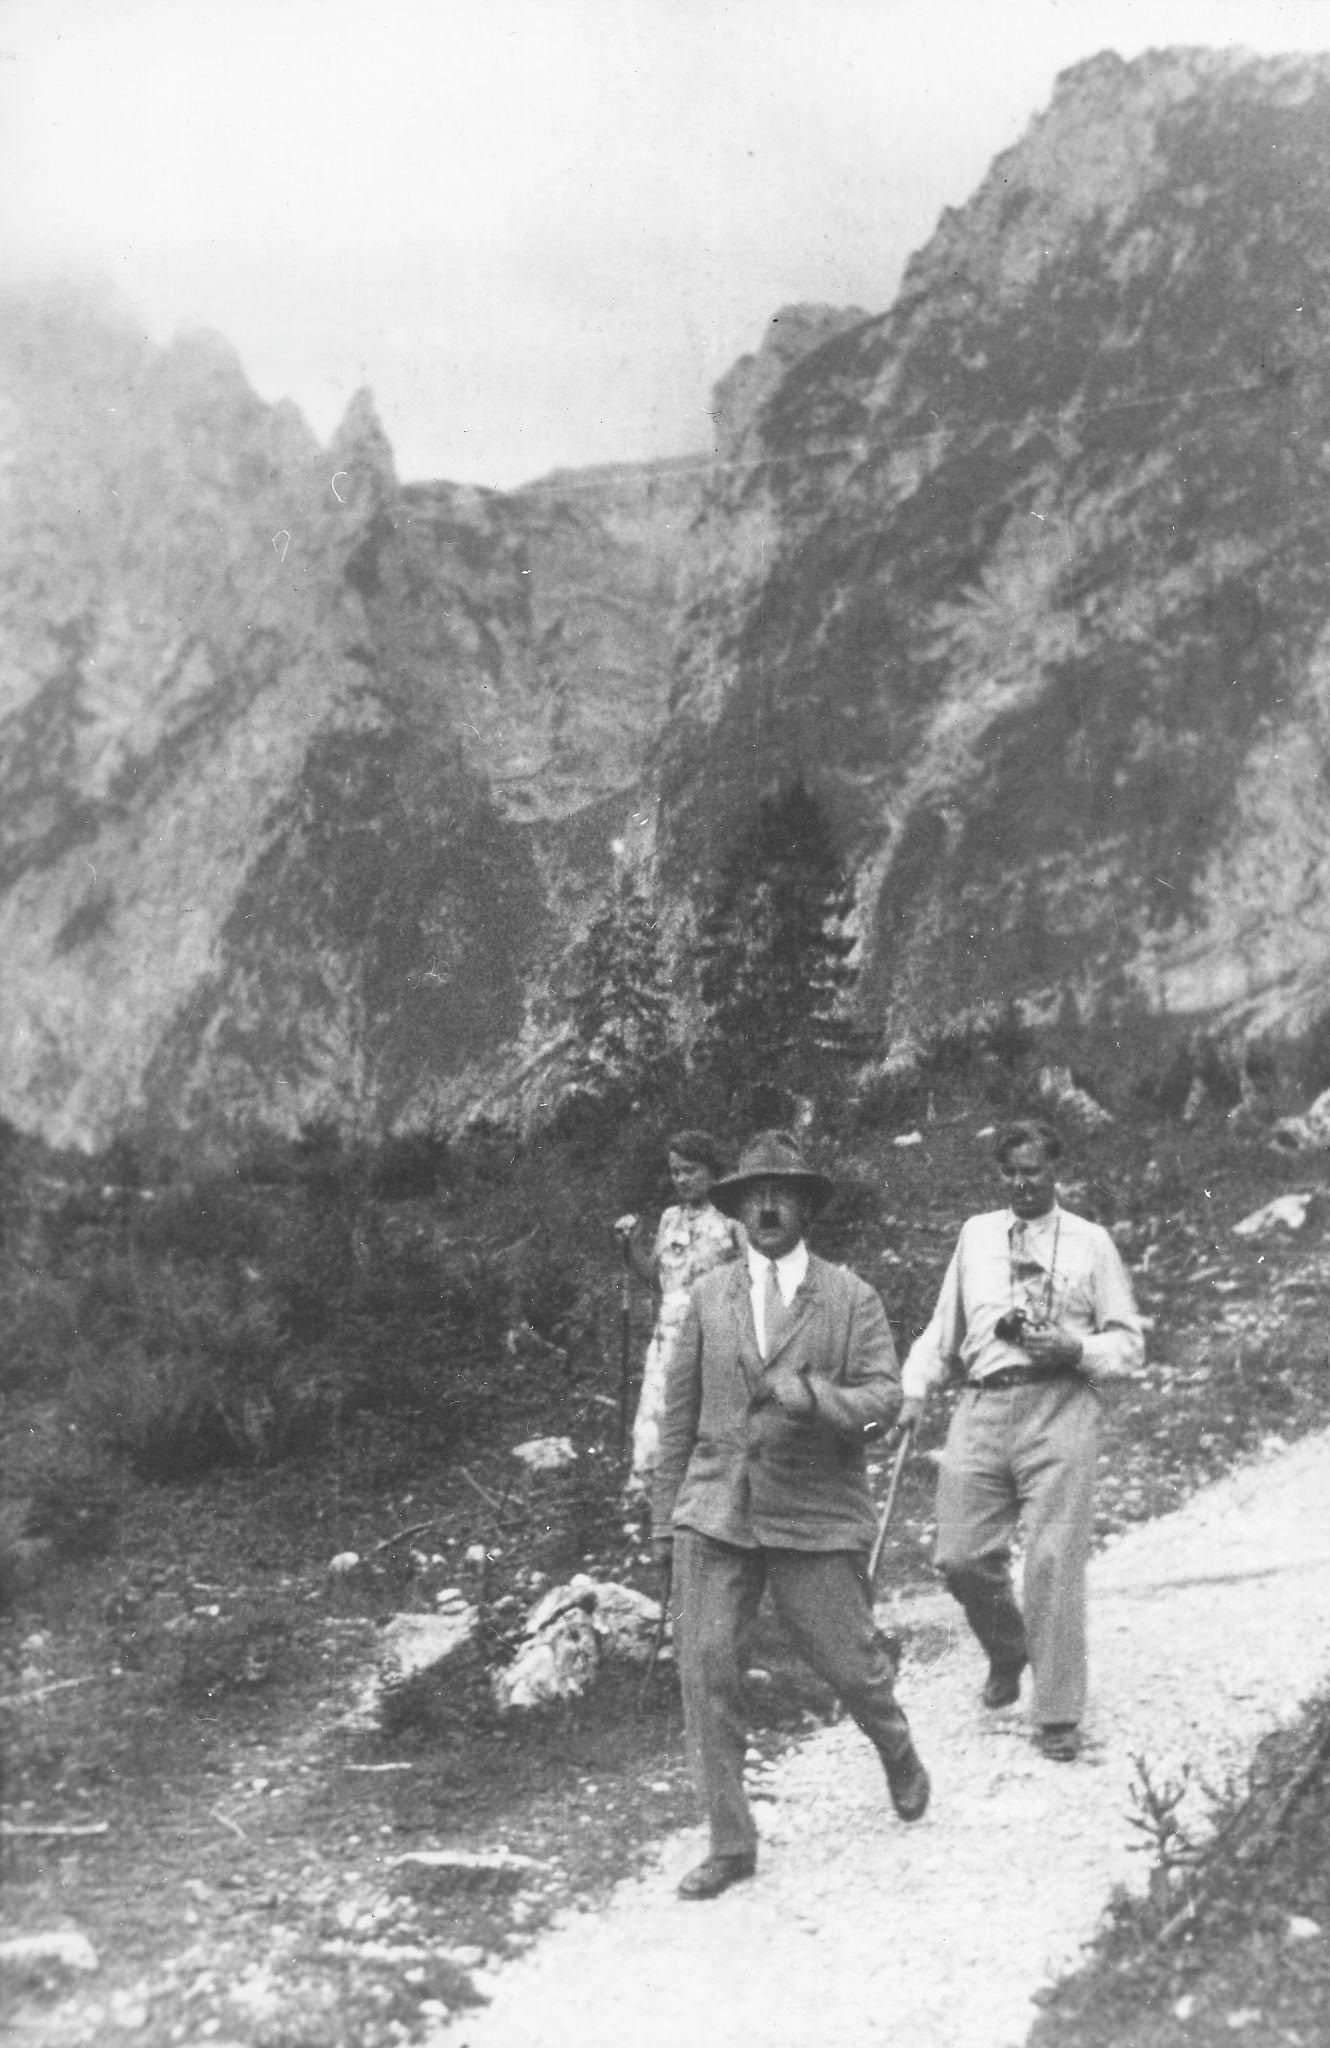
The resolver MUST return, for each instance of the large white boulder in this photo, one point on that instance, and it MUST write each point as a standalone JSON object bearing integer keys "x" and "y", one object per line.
{"x": 1062, "y": 1095}
{"x": 409, "y": 1645}
{"x": 1286, "y": 1212}
{"x": 1309, "y": 1132}
{"x": 557, "y": 1664}
{"x": 566, "y": 1634}
{"x": 546, "y": 1453}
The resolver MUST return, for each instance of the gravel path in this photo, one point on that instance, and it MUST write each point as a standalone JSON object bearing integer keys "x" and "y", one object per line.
{"x": 1210, "y": 1627}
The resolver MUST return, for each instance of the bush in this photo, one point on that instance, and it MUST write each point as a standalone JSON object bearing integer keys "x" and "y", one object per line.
{"x": 194, "y": 1377}
{"x": 408, "y": 1166}
{"x": 213, "y": 1218}
{"x": 42, "y": 1343}
{"x": 426, "y": 1348}
{"x": 1313, "y": 1062}
{"x": 73, "y": 1504}
{"x": 890, "y": 1093}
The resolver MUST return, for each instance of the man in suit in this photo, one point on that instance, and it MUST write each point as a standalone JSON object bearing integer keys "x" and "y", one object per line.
{"x": 783, "y": 1373}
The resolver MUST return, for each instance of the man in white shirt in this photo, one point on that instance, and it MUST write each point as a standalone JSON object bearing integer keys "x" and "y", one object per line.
{"x": 1035, "y": 1312}
{"x": 783, "y": 1372}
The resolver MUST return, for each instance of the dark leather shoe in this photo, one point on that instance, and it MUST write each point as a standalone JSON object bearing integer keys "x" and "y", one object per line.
{"x": 907, "y": 1782}
{"x": 716, "y": 1875}
{"x": 1060, "y": 1741}
{"x": 1004, "y": 1685}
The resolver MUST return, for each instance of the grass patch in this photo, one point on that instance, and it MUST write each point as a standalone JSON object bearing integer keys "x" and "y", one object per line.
{"x": 1231, "y": 1939}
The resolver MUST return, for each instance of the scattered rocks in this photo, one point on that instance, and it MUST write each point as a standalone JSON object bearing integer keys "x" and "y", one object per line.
{"x": 1309, "y": 1132}
{"x": 38, "y": 1955}
{"x": 1074, "y": 1104}
{"x": 565, "y": 1635}
{"x": 442, "y": 1870}
{"x": 558, "y": 1662}
{"x": 1286, "y": 1212}
{"x": 410, "y": 1646}
{"x": 546, "y": 1453}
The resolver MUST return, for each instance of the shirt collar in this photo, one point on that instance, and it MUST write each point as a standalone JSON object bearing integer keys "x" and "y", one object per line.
{"x": 792, "y": 1269}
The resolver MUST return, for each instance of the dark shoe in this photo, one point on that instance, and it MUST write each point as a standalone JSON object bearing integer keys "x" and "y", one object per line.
{"x": 1004, "y": 1685}
{"x": 1059, "y": 1741}
{"x": 716, "y": 1875}
{"x": 907, "y": 1782}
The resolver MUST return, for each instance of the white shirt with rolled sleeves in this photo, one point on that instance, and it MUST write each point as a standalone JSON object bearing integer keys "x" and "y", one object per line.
{"x": 1084, "y": 1285}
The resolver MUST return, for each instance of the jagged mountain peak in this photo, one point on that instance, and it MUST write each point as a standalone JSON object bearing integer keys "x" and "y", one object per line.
{"x": 1090, "y": 157}
{"x": 303, "y": 776}
{"x": 791, "y": 335}
{"x": 360, "y": 447}
{"x": 1027, "y": 579}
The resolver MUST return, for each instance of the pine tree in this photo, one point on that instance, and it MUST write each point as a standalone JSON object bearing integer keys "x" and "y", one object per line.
{"x": 775, "y": 972}
{"x": 620, "y": 999}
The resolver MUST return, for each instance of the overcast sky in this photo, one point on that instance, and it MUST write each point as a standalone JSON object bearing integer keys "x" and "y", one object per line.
{"x": 539, "y": 230}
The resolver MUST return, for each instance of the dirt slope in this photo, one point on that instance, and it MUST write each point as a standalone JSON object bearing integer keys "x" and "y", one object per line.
{"x": 1209, "y": 1628}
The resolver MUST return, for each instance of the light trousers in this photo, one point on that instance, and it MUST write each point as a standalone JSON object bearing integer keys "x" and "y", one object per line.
{"x": 822, "y": 1597}
{"x": 1023, "y": 1457}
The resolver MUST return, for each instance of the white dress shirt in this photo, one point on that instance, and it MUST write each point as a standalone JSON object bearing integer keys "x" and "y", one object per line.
{"x": 1061, "y": 1265}
{"x": 791, "y": 1271}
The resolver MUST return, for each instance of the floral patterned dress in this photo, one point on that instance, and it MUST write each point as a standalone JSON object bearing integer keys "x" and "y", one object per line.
{"x": 689, "y": 1242}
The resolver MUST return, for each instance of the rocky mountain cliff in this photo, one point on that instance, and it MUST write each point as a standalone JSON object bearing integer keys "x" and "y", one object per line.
{"x": 1029, "y": 573}
{"x": 307, "y": 775}
{"x": 302, "y": 771}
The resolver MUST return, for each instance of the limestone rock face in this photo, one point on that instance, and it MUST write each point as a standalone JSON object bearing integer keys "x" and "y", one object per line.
{"x": 300, "y": 770}
{"x": 1027, "y": 573}
{"x": 308, "y": 775}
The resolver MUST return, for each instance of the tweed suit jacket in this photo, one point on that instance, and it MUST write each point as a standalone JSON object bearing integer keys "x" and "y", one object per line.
{"x": 732, "y": 1463}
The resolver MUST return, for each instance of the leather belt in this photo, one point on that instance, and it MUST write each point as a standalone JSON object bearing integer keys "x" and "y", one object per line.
{"x": 1020, "y": 1376}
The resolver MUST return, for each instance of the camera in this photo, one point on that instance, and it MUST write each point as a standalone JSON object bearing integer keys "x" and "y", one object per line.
{"x": 1013, "y": 1325}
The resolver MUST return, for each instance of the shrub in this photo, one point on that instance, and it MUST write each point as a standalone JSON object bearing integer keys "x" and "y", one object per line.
{"x": 236, "y": 1651}
{"x": 857, "y": 1206}
{"x": 553, "y": 1298}
{"x": 889, "y": 1093}
{"x": 213, "y": 1218}
{"x": 408, "y": 1166}
{"x": 74, "y": 1505}
{"x": 42, "y": 1344}
{"x": 427, "y": 1348}
{"x": 196, "y": 1378}
{"x": 266, "y": 1159}
{"x": 1314, "y": 1056}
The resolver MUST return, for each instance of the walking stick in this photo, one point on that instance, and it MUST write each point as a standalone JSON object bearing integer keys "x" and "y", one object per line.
{"x": 884, "y": 1520}
{"x": 625, "y": 1344}
{"x": 658, "y": 1639}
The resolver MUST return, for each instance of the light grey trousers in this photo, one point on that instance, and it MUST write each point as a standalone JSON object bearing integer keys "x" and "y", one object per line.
{"x": 1023, "y": 1456}
{"x": 822, "y": 1598}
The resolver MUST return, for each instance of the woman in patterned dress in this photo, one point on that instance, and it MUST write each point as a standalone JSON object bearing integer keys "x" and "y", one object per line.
{"x": 690, "y": 1239}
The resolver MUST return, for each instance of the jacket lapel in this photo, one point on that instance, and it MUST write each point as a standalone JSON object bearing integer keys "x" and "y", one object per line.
{"x": 741, "y": 1319}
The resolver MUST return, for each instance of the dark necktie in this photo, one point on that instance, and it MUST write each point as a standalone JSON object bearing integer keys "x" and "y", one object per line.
{"x": 1027, "y": 1271}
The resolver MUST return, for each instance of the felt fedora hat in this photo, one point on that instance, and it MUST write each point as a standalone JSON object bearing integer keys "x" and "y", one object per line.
{"x": 771, "y": 1155}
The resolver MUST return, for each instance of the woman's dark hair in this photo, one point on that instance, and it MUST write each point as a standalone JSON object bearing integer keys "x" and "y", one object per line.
{"x": 699, "y": 1148}
{"x": 1028, "y": 1131}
